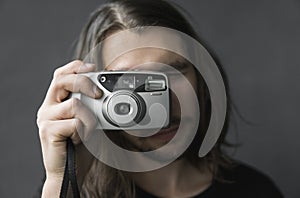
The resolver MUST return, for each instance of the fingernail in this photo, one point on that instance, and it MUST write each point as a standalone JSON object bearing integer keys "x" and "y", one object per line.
{"x": 97, "y": 92}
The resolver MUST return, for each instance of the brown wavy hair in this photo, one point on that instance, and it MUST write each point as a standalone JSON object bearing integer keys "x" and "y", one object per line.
{"x": 102, "y": 180}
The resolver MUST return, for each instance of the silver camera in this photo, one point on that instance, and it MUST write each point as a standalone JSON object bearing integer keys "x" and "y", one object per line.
{"x": 131, "y": 100}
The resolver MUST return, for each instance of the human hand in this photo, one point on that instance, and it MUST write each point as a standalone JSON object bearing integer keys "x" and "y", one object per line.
{"x": 60, "y": 117}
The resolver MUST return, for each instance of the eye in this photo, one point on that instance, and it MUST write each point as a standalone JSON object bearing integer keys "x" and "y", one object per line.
{"x": 177, "y": 69}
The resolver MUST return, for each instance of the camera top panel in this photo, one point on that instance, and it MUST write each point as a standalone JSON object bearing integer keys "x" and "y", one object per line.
{"x": 132, "y": 80}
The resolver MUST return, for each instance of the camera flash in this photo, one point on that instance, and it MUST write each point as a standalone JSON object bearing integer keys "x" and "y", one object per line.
{"x": 155, "y": 85}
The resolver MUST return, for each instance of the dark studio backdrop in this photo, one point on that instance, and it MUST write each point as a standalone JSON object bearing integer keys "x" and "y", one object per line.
{"x": 257, "y": 42}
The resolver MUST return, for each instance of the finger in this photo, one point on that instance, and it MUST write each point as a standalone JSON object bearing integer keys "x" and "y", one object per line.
{"x": 59, "y": 111}
{"x": 74, "y": 108}
{"x": 87, "y": 67}
{"x": 74, "y": 67}
{"x": 71, "y": 108}
{"x": 56, "y": 132}
{"x": 62, "y": 86}
{"x": 88, "y": 119}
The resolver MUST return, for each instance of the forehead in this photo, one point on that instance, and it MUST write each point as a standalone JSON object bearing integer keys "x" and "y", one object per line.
{"x": 132, "y": 49}
{"x": 135, "y": 58}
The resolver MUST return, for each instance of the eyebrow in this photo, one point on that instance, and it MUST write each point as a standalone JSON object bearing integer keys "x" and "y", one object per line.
{"x": 178, "y": 64}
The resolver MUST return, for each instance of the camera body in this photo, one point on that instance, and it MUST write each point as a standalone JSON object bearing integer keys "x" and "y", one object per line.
{"x": 131, "y": 100}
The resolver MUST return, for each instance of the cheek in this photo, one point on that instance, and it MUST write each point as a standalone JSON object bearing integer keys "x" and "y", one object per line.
{"x": 184, "y": 88}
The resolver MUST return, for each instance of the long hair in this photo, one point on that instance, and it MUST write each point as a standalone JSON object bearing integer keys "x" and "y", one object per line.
{"x": 102, "y": 180}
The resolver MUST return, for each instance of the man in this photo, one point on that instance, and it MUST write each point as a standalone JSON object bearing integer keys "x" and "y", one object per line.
{"x": 60, "y": 117}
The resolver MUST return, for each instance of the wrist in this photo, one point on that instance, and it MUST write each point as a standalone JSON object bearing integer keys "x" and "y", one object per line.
{"x": 52, "y": 187}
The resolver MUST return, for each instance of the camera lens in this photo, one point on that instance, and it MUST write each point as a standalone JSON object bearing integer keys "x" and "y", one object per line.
{"x": 122, "y": 108}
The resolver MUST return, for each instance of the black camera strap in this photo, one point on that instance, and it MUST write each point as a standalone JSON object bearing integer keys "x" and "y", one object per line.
{"x": 70, "y": 172}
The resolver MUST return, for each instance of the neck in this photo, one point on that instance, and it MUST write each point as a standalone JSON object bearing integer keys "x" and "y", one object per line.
{"x": 178, "y": 179}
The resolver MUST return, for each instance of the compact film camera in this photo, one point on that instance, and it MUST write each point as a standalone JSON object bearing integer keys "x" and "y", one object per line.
{"x": 131, "y": 100}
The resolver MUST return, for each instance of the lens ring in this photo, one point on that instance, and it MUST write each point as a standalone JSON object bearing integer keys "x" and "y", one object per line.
{"x": 136, "y": 114}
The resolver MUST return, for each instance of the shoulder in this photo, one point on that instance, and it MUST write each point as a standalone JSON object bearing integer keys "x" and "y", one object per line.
{"x": 245, "y": 181}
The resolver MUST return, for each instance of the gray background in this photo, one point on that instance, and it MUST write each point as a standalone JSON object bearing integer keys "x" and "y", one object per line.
{"x": 257, "y": 42}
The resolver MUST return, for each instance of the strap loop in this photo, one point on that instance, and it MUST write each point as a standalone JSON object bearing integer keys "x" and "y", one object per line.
{"x": 70, "y": 172}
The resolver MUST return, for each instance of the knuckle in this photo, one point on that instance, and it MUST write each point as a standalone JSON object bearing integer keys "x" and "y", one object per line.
{"x": 77, "y": 62}
{"x": 63, "y": 113}
{"x": 39, "y": 116}
{"x": 43, "y": 130}
{"x": 57, "y": 72}
{"x": 75, "y": 102}
{"x": 38, "y": 121}
{"x": 57, "y": 82}
{"x": 52, "y": 140}
{"x": 76, "y": 125}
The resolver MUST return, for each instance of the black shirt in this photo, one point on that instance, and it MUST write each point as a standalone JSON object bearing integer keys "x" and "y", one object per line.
{"x": 240, "y": 182}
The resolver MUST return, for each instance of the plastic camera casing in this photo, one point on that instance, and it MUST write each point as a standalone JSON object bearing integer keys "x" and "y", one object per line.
{"x": 131, "y": 100}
